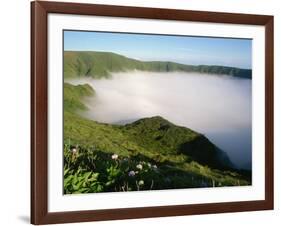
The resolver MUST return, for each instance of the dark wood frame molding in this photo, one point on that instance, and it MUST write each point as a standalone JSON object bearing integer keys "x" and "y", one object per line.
{"x": 39, "y": 109}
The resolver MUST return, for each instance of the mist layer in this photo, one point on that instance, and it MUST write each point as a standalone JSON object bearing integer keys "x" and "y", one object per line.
{"x": 217, "y": 106}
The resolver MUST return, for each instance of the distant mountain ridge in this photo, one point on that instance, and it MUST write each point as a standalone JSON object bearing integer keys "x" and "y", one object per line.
{"x": 102, "y": 64}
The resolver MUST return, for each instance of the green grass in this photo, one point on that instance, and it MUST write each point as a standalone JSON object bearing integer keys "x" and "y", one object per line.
{"x": 90, "y": 170}
{"x": 184, "y": 157}
{"x": 101, "y": 64}
{"x": 73, "y": 95}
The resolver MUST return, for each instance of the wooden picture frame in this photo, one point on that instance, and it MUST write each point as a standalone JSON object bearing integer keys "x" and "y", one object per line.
{"x": 39, "y": 112}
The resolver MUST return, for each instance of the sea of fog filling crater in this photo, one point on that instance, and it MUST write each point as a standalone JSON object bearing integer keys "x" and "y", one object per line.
{"x": 217, "y": 106}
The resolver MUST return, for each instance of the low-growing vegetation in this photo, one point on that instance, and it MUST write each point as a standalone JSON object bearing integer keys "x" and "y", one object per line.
{"x": 88, "y": 170}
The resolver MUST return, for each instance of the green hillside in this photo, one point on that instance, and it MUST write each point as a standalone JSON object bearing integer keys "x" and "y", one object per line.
{"x": 170, "y": 156}
{"x": 101, "y": 64}
{"x": 73, "y": 95}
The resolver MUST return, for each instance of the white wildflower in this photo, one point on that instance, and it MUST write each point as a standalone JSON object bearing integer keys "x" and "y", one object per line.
{"x": 73, "y": 150}
{"x": 139, "y": 166}
{"x": 154, "y": 166}
{"x": 131, "y": 173}
{"x": 141, "y": 182}
{"x": 114, "y": 157}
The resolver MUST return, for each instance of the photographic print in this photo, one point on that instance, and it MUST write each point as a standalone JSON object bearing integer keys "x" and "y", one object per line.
{"x": 152, "y": 112}
{"x": 170, "y": 110}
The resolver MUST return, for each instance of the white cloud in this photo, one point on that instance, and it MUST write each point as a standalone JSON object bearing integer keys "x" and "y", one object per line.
{"x": 217, "y": 106}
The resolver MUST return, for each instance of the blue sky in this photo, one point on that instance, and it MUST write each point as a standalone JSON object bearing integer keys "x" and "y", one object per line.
{"x": 181, "y": 49}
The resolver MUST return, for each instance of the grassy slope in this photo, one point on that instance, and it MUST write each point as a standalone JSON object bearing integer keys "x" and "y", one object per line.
{"x": 156, "y": 139}
{"x": 73, "y": 95}
{"x": 101, "y": 64}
